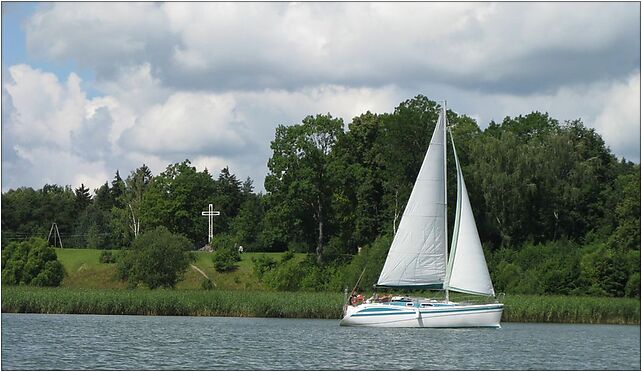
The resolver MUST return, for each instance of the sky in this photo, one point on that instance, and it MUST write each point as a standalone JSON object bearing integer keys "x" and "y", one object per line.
{"x": 91, "y": 88}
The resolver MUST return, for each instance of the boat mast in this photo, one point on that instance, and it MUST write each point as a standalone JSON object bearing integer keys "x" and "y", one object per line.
{"x": 445, "y": 200}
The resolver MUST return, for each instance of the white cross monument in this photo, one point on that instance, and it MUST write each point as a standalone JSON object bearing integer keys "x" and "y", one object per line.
{"x": 210, "y": 219}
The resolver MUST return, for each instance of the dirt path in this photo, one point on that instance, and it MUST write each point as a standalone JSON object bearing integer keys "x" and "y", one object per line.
{"x": 202, "y": 273}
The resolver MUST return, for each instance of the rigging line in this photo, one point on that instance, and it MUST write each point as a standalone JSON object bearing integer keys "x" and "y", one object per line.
{"x": 358, "y": 280}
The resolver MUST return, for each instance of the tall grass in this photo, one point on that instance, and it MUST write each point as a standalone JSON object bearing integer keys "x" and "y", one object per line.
{"x": 518, "y": 308}
{"x": 172, "y": 302}
{"x": 571, "y": 309}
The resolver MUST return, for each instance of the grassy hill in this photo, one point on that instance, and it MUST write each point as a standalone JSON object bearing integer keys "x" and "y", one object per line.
{"x": 83, "y": 270}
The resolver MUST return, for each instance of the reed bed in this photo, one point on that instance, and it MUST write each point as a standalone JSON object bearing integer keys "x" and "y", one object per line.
{"x": 172, "y": 302}
{"x": 518, "y": 308}
{"x": 571, "y": 309}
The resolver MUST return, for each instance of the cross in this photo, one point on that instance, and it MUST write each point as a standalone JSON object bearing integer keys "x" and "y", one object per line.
{"x": 210, "y": 219}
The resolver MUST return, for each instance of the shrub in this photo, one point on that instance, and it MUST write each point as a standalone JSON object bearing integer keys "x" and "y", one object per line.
{"x": 157, "y": 258}
{"x": 207, "y": 284}
{"x": 633, "y": 286}
{"x": 106, "y": 257}
{"x": 50, "y": 276}
{"x": 31, "y": 262}
{"x": 262, "y": 264}
{"x": 287, "y": 256}
{"x": 225, "y": 259}
{"x": 286, "y": 276}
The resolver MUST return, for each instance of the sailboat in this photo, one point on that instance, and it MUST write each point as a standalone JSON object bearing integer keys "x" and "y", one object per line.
{"x": 418, "y": 256}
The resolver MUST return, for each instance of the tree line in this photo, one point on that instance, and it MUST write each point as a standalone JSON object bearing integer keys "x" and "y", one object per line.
{"x": 331, "y": 192}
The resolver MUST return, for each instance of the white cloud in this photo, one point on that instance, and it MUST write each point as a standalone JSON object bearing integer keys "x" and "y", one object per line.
{"x": 139, "y": 125}
{"x": 210, "y": 81}
{"x": 46, "y": 109}
{"x": 188, "y": 123}
{"x": 102, "y": 36}
{"x": 507, "y": 47}
{"x": 612, "y": 108}
{"x": 619, "y": 119}
{"x": 55, "y": 166}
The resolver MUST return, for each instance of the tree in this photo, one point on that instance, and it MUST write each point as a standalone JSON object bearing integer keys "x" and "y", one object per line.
{"x": 299, "y": 180}
{"x": 31, "y": 262}
{"x": 27, "y": 212}
{"x": 227, "y": 198}
{"x": 175, "y": 199}
{"x": 117, "y": 190}
{"x": 246, "y": 227}
{"x": 157, "y": 258}
{"x": 357, "y": 198}
{"x": 627, "y": 211}
{"x": 403, "y": 140}
{"x": 226, "y": 254}
{"x": 126, "y": 214}
{"x": 83, "y": 199}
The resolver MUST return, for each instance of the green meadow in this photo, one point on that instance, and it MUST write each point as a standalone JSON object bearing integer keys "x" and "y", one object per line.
{"x": 83, "y": 270}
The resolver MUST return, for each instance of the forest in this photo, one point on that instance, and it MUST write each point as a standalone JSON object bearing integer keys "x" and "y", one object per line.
{"x": 557, "y": 212}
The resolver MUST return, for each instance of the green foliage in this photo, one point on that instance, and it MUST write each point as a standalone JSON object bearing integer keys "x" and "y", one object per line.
{"x": 286, "y": 276}
{"x": 207, "y": 284}
{"x": 369, "y": 261}
{"x": 262, "y": 264}
{"x": 632, "y": 288}
{"x": 531, "y": 180}
{"x": 31, "y": 262}
{"x": 226, "y": 253}
{"x": 106, "y": 257}
{"x": 627, "y": 212}
{"x": 225, "y": 260}
{"x": 83, "y": 198}
{"x": 157, "y": 258}
{"x": 300, "y": 181}
{"x": 175, "y": 198}
{"x": 605, "y": 272}
{"x": 287, "y": 256}
{"x": 246, "y": 226}
{"x": 563, "y": 267}
{"x": 27, "y": 212}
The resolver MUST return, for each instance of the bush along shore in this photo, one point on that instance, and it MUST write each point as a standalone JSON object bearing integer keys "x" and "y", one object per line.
{"x": 554, "y": 309}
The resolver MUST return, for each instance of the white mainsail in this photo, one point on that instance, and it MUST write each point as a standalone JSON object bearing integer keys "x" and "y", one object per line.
{"x": 417, "y": 256}
{"x": 467, "y": 271}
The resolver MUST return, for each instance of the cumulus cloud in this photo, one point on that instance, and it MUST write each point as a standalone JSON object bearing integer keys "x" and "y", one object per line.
{"x": 210, "y": 81}
{"x": 189, "y": 123}
{"x": 494, "y": 47}
{"x": 101, "y": 36}
{"x": 52, "y": 124}
{"x": 619, "y": 119}
{"x": 46, "y": 109}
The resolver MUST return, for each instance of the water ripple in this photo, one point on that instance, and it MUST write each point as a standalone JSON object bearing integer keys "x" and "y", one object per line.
{"x": 100, "y": 342}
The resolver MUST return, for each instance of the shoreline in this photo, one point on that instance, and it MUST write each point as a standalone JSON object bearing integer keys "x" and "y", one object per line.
{"x": 307, "y": 305}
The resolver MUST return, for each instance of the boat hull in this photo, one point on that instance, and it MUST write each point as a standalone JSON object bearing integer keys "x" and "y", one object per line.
{"x": 449, "y": 316}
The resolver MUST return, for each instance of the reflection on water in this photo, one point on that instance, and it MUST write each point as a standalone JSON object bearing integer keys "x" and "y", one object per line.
{"x": 35, "y": 341}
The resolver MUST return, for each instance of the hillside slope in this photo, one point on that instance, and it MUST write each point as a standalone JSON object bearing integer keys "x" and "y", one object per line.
{"x": 83, "y": 270}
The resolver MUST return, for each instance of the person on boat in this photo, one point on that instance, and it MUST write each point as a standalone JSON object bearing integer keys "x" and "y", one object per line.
{"x": 356, "y": 299}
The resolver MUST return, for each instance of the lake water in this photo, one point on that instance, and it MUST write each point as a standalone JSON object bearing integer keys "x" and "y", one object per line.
{"x": 38, "y": 341}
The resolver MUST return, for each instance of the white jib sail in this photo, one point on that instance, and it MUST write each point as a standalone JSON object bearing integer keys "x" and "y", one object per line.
{"x": 417, "y": 254}
{"x": 467, "y": 270}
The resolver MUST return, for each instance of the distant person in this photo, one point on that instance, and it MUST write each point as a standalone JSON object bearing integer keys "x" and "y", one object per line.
{"x": 240, "y": 249}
